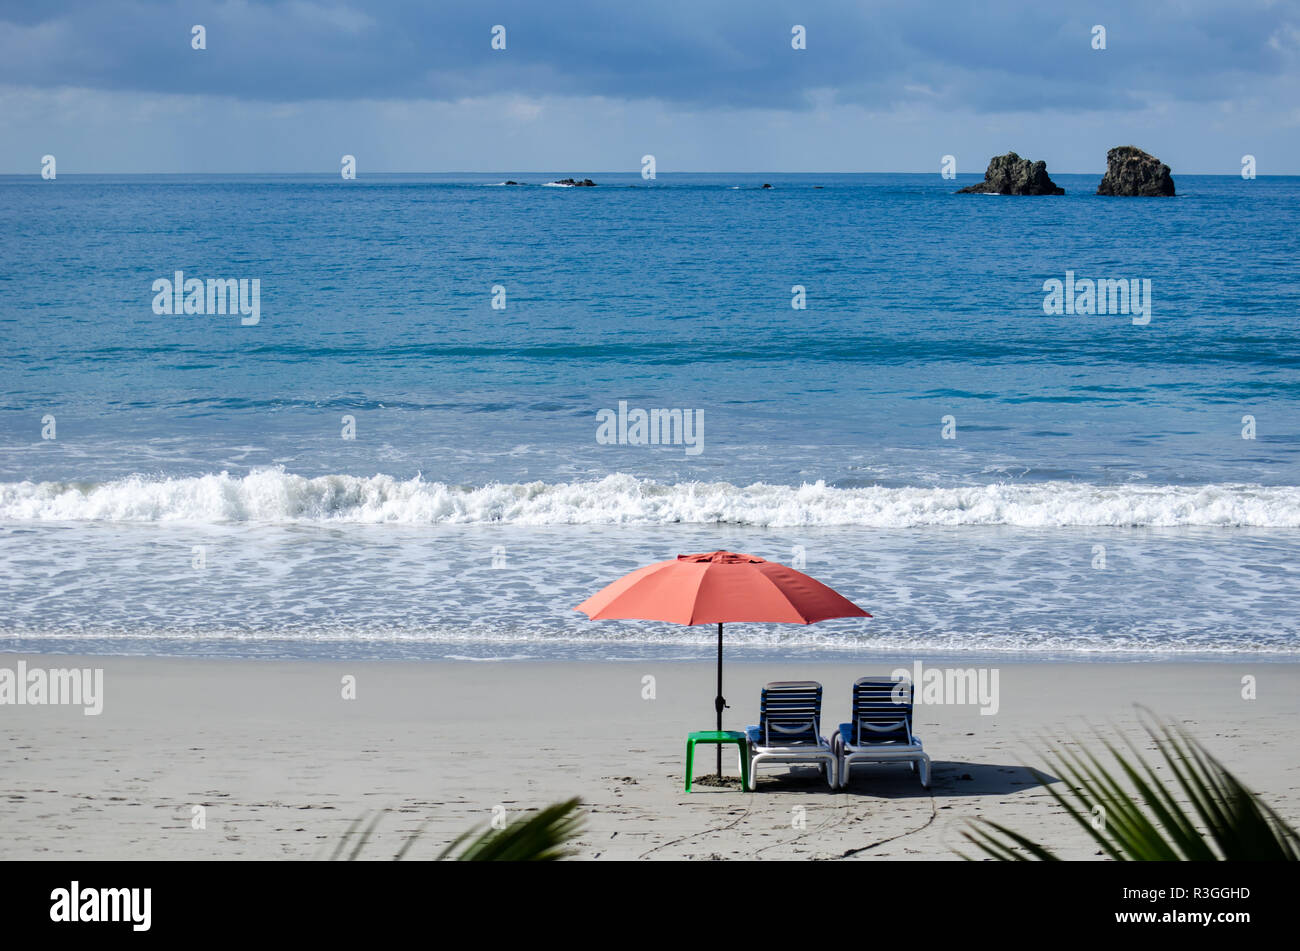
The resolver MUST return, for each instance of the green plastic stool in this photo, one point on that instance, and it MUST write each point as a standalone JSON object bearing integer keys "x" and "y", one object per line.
{"x": 718, "y": 737}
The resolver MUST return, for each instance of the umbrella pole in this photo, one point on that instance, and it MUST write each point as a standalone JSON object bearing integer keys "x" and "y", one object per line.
{"x": 718, "y": 702}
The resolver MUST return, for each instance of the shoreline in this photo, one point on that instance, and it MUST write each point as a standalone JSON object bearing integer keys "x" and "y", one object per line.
{"x": 578, "y": 651}
{"x": 281, "y": 763}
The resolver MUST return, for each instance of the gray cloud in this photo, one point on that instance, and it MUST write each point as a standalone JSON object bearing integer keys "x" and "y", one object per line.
{"x": 993, "y": 57}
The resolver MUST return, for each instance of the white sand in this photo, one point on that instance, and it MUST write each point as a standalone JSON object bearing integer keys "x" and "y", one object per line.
{"x": 283, "y": 764}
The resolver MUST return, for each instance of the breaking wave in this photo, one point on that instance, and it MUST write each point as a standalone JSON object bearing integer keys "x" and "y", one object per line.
{"x": 273, "y": 495}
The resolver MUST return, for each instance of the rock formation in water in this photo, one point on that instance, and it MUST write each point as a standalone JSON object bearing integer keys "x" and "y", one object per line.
{"x": 1132, "y": 172}
{"x": 1011, "y": 175}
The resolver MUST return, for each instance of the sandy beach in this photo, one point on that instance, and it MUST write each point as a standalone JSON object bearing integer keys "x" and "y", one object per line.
{"x": 282, "y": 764}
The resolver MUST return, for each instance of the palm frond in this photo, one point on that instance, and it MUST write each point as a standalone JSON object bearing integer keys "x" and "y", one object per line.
{"x": 539, "y": 838}
{"x": 542, "y": 837}
{"x": 1216, "y": 818}
{"x": 346, "y": 837}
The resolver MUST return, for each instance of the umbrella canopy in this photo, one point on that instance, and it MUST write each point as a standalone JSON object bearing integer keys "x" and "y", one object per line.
{"x": 714, "y": 588}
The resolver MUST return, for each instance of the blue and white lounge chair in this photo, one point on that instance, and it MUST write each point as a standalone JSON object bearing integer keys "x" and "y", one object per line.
{"x": 881, "y": 731}
{"x": 789, "y": 729}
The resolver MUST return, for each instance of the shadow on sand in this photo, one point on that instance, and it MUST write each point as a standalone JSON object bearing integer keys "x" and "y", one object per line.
{"x": 948, "y": 778}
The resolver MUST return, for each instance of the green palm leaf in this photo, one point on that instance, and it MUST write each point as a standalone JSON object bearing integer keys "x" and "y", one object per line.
{"x": 542, "y": 837}
{"x": 1217, "y": 819}
{"x": 539, "y": 838}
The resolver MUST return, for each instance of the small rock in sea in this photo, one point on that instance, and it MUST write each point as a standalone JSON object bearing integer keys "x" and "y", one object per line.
{"x": 1011, "y": 175}
{"x": 1133, "y": 173}
{"x": 766, "y": 185}
{"x": 512, "y": 183}
{"x": 585, "y": 183}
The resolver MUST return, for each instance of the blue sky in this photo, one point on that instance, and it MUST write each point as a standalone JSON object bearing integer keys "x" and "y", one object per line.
{"x": 582, "y": 87}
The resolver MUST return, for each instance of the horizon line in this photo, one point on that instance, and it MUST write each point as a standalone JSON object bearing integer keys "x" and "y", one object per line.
{"x": 334, "y": 173}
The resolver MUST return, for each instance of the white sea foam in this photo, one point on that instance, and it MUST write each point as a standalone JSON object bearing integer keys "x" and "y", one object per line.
{"x": 273, "y": 495}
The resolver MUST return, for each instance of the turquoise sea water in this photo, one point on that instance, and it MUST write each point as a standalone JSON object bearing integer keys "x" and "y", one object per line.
{"x": 198, "y": 494}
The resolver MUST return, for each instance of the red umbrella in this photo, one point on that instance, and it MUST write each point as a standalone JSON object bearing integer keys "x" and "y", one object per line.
{"x": 716, "y": 587}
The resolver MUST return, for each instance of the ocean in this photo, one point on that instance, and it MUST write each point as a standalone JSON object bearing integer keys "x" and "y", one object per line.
{"x": 423, "y": 440}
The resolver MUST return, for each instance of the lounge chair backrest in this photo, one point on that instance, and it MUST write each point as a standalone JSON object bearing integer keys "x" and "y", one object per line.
{"x": 882, "y": 710}
{"x": 791, "y": 712}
